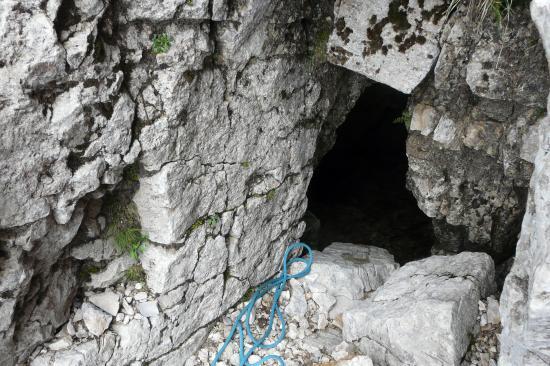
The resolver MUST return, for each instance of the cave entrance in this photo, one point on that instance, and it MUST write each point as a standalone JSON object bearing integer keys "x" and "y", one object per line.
{"x": 358, "y": 191}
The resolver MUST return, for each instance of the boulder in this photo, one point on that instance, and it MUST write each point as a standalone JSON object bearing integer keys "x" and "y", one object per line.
{"x": 425, "y": 313}
{"x": 391, "y": 42}
{"x": 96, "y": 320}
{"x": 341, "y": 275}
{"x": 107, "y": 301}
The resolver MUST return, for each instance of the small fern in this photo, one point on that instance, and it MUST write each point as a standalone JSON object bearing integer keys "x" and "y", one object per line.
{"x": 161, "y": 43}
{"x": 405, "y": 119}
{"x": 213, "y": 220}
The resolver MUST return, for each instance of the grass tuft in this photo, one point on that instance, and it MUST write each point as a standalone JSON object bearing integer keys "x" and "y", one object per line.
{"x": 480, "y": 9}
{"x": 135, "y": 273}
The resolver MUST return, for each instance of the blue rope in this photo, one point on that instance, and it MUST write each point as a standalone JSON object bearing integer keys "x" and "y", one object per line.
{"x": 277, "y": 283}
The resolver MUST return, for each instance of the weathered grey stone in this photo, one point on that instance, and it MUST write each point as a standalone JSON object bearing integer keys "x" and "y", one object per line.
{"x": 361, "y": 268}
{"x": 524, "y": 304}
{"x": 425, "y": 313}
{"x": 472, "y": 130}
{"x": 148, "y": 308}
{"x": 392, "y": 42}
{"x": 107, "y": 301}
{"x": 96, "y": 320}
{"x": 356, "y": 361}
{"x": 113, "y": 272}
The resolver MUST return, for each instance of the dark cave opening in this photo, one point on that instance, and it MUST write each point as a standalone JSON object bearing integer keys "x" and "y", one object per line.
{"x": 358, "y": 191}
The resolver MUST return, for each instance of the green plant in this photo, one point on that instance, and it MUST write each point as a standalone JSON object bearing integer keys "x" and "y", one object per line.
{"x": 87, "y": 270}
{"x": 482, "y": 8}
{"x": 135, "y": 273}
{"x": 213, "y": 220}
{"x": 539, "y": 113}
{"x": 248, "y": 294}
{"x": 131, "y": 241}
{"x": 270, "y": 195}
{"x": 319, "y": 54}
{"x": 161, "y": 43}
{"x": 124, "y": 226}
{"x": 131, "y": 173}
{"x": 189, "y": 2}
{"x": 197, "y": 224}
{"x": 245, "y": 164}
{"x": 405, "y": 119}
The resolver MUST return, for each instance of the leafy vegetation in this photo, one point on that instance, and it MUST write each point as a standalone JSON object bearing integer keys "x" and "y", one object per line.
{"x": 131, "y": 241}
{"x": 131, "y": 173}
{"x": 124, "y": 226}
{"x": 405, "y": 119}
{"x": 87, "y": 270}
{"x": 213, "y": 220}
{"x": 161, "y": 43}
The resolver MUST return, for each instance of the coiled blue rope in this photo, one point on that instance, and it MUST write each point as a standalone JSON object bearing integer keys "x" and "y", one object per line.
{"x": 242, "y": 322}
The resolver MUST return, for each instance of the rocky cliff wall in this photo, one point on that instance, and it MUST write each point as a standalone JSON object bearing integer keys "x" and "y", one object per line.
{"x": 217, "y": 130}
{"x": 525, "y": 305}
{"x": 173, "y": 141}
{"x": 478, "y": 91}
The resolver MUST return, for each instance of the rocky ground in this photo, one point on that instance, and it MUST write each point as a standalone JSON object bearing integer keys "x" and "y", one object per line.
{"x": 313, "y": 339}
{"x": 325, "y": 311}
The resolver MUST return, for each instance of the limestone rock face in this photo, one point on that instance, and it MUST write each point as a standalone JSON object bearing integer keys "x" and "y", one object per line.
{"x": 525, "y": 308}
{"x": 217, "y": 132}
{"x": 392, "y": 42}
{"x": 425, "y": 313}
{"x": 341, "y": 276}
{"x": 473, "y": 131}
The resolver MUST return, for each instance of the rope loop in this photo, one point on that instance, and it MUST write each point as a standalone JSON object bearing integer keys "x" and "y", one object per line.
{"x": 242, "y": 322}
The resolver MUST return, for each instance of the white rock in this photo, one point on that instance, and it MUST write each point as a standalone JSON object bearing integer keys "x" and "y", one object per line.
{"x": 253, "y": 359}
{"x": 297, "y": 306}
{"x": 424, "y": 313}
{"x": 140, "y": 296}
{"x": 127, "y": 309}
{"x": 60, "y": 343}
{"x": 362, "y": 268}
{"x": 368, "y": 39}
{"x": 356, "y": 361}
{"x": 96, "y": 320}
{"x": 107, "y": 301}
{"x": 482, "y": 306}
{"x": 493, "y": 312}
{"x": 148, "y": 308}
{"x": 70, "y": 328}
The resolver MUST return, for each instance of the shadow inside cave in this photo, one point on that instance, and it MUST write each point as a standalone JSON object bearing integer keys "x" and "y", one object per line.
{"x": 358, "y": 191}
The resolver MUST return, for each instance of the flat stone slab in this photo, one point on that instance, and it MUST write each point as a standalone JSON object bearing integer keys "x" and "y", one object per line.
{"x": 425, "y": 312}
{"x": 107, "y": 301}
{"x": 343, "y": 274}
{"x": 392, "y": 42}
